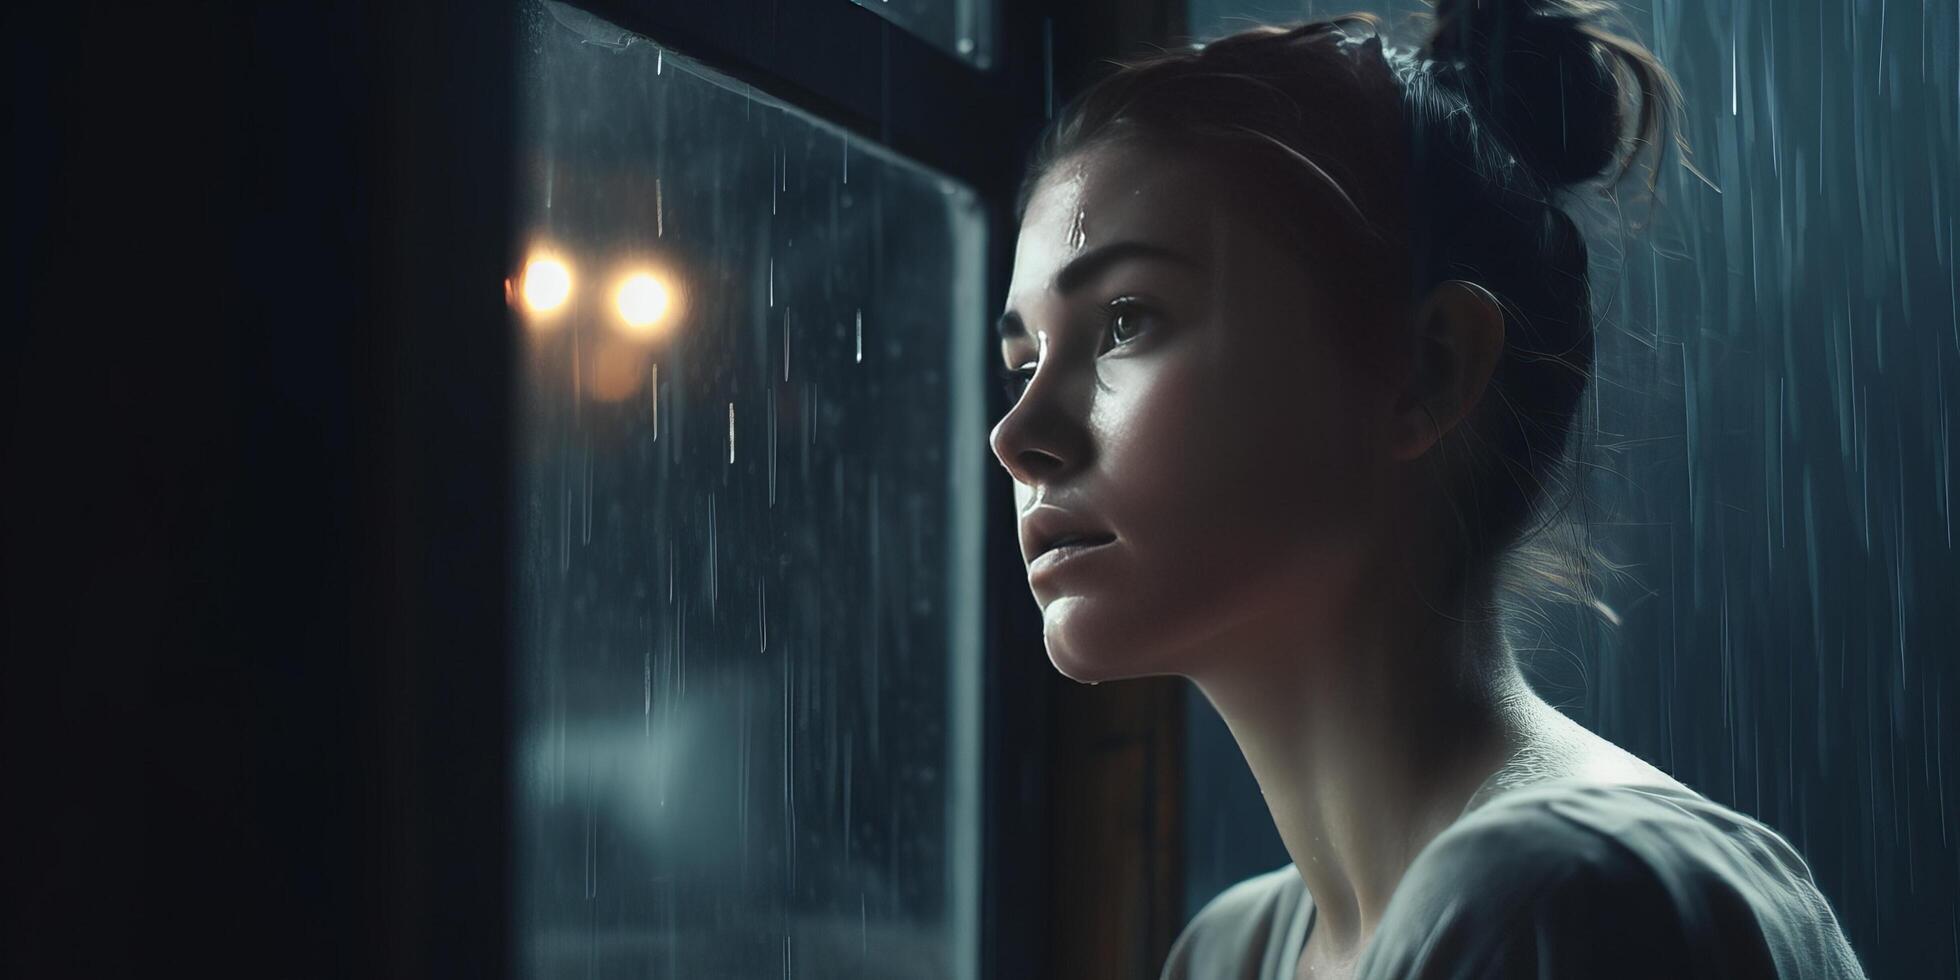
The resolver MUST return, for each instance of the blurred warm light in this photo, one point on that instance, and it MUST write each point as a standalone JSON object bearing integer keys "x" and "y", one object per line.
{"x": 547, "y": 284}
{"x": 617, "y": 369}
{"x": 642, "y": 300}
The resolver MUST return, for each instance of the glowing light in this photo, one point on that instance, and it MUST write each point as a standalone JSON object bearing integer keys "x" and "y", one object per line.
{"x": 642, "y": 301}
{"x": 547, "y": 284}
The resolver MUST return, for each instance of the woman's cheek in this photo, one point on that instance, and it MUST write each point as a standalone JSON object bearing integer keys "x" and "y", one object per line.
{"x": 1181, "y": 436}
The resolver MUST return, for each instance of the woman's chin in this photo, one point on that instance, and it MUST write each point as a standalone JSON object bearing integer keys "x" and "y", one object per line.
{"x": 1085, "y": 647}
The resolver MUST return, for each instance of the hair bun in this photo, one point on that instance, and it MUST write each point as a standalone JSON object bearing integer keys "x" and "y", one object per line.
{"x": 1541, "y": 75}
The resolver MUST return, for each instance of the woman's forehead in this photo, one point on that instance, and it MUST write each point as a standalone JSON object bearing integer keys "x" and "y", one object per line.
{"x": 1126, "y": 182}
{"x": 1120, "y": 192}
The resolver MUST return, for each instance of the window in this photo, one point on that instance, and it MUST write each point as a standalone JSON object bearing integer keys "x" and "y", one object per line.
{"x": 748, "y": 645}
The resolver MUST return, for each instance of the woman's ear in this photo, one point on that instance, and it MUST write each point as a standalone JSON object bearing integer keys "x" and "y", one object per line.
{"x": 1458, "y": 333}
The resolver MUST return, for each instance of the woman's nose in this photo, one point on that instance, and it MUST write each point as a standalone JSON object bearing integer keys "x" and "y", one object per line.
{"x": 1025, "y": 463}
{"x": 1038, "y": 441}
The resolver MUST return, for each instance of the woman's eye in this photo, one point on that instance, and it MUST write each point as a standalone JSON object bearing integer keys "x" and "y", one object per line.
{"x": 1124, "y": 318}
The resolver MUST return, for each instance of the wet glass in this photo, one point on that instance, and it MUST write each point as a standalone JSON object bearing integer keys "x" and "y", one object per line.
{"x": 748, "y": 664}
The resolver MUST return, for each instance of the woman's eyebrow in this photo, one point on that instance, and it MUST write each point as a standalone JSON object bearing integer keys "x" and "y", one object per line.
{"x": 1086, "y": 267}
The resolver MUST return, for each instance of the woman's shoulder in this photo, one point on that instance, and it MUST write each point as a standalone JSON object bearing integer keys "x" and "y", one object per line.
{"x": 1607, "y": 879}
{"x": 1240, "y": 929}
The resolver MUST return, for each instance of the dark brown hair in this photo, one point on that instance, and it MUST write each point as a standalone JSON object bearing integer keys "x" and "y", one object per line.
{"x": 1451, "y": 168}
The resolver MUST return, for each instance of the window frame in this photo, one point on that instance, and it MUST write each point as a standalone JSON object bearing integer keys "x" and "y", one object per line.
{"x": 896, "y": 95}
{"x": 296, "y": 571}
{"x": 1054, "y": 885}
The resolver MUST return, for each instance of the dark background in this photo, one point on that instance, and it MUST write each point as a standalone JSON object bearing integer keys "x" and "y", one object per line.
{"x": 234, "y": 567}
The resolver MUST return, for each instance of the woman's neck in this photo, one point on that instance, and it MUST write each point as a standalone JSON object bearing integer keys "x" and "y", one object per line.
{"x": 1368, "y": 747}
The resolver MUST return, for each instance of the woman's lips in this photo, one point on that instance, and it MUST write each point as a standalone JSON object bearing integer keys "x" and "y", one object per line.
{"x": 1059, "y": 557}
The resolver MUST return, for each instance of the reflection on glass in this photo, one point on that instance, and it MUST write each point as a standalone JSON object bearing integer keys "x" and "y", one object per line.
{"x": 547, "y": 284}
{"x": 748, "y": 658}
{"x": 961, "y": 27}
{"x": 642, "y": 301}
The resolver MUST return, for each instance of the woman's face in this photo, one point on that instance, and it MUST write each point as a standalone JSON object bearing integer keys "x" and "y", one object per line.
{"x": 1187, "y": 402}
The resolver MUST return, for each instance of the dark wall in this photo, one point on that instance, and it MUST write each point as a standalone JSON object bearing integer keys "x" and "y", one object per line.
{"x": 255, "y": 487}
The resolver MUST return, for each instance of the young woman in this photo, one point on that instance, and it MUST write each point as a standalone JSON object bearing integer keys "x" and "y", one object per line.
{"x": 1297, "y": 332}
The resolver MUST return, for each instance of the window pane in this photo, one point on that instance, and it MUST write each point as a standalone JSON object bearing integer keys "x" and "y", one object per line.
{"x": 961, "y": 27}
{"x": 748, "y": 691}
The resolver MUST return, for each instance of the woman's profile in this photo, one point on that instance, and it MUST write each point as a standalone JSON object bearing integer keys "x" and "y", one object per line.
{"x": 1296, "y": 336}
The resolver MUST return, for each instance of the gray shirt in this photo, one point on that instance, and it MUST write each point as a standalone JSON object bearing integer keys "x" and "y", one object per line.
{"x": 1560, "y": 878}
